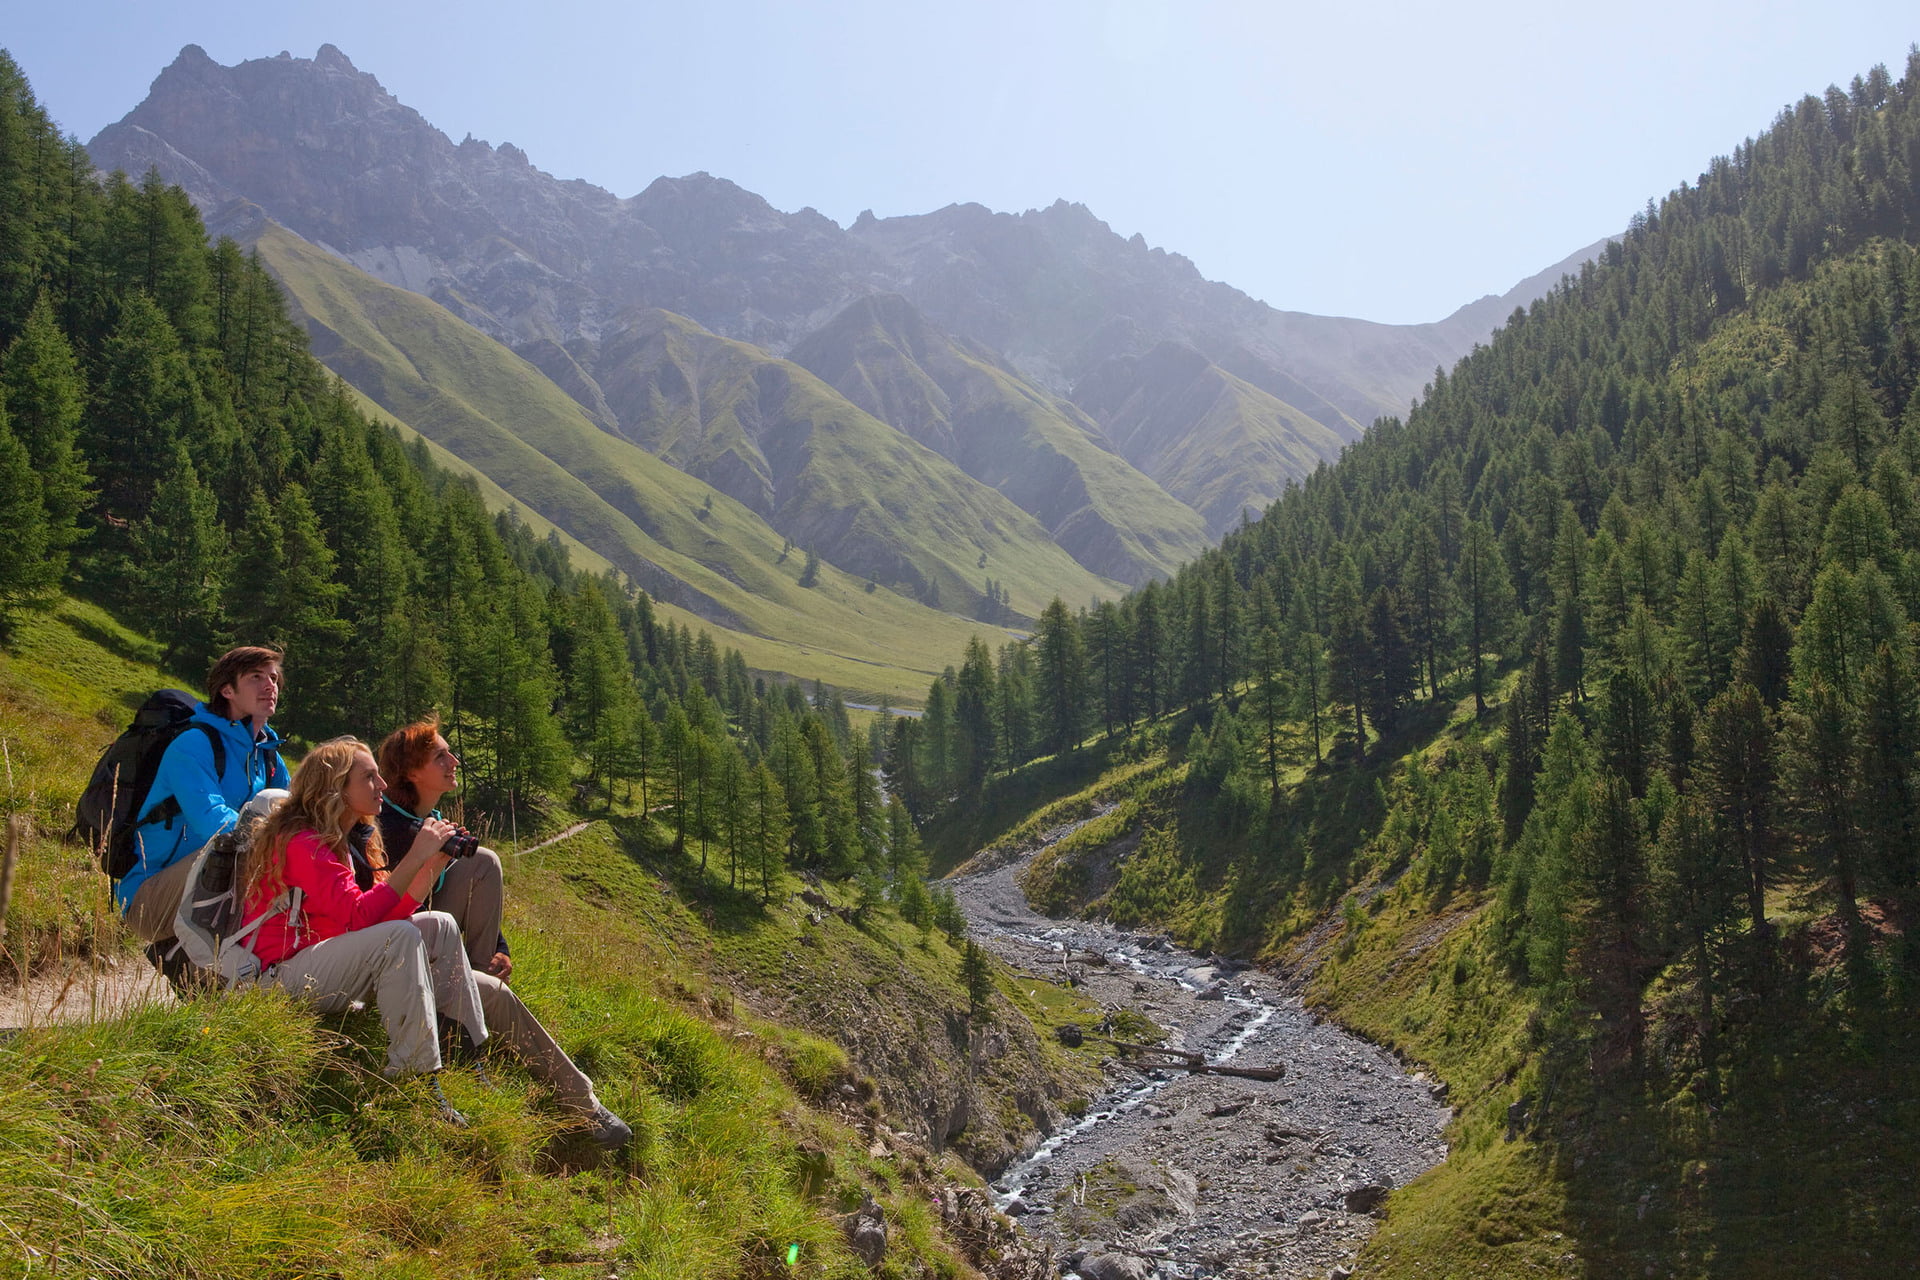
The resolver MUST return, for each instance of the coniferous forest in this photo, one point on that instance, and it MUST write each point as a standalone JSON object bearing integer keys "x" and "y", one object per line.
{"x": 169, "y": 447}
{"x": 1604, "y": 656}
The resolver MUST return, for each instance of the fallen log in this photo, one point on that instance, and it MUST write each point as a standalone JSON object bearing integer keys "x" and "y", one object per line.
{"x": 1182, "y": 1060}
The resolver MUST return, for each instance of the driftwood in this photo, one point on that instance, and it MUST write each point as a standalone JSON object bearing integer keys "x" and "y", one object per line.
{"x": 1182, "y": 1060}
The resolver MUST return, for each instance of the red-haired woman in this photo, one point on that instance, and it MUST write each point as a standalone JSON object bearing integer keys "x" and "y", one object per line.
{"x": 420, "y": 768}
{"x": 344, "y": 945}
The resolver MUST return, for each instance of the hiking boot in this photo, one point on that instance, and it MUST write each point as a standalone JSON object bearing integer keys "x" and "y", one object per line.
{"x": 442, "y": 1108}
{"x": 607, "y": 1130}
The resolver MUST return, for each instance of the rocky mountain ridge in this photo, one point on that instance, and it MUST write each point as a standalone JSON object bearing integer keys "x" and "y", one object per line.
{"x": 1070, "y": 316}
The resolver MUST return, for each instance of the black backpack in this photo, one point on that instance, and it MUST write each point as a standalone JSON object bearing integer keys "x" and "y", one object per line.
{"x": 112, "y": 805}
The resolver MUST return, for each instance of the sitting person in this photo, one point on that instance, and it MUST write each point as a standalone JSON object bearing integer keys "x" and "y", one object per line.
{"x": 420, "y": 768}
{"x": 344, "y": 945}
{"x": 190, "y": 801}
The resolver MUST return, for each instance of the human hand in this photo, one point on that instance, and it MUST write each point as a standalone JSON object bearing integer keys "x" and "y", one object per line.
{"x": 432, "y": 837}
{"x": 501, "y": 966}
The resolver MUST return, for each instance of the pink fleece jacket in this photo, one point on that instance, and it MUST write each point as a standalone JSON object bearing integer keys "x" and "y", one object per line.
{"x": 333, "y": 904}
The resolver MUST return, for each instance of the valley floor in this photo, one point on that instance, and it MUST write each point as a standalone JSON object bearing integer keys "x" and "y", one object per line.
{"x": 1203, "y": 1174}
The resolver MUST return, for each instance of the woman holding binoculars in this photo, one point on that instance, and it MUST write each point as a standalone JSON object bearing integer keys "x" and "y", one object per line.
{"x": 341, "y": 943}
{"x": 420, "y": 768}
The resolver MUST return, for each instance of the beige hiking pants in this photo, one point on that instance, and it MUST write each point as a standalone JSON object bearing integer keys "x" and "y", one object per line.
{"x": 472, "y": 894}
{"x": 150, "y": 914}
{"x": 416, "y": 969}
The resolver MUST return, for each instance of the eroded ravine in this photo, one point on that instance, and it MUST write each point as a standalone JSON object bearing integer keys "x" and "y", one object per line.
{"x": 1185, "y": 1175}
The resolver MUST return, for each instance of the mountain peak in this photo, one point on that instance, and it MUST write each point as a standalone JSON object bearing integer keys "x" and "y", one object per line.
{"x": 331, "y": 59}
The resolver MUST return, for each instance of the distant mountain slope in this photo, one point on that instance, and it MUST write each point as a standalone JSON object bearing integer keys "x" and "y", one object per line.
{"x": 824, "y": 473}
{"x": 1037, "y": 448}
{"x": 675, "y": 535}
{"x": 552, "y": 267}
{"x": 1217, "y": 442}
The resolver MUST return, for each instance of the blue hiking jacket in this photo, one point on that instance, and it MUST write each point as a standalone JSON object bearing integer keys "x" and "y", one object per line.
{"x": 208, "y": 805}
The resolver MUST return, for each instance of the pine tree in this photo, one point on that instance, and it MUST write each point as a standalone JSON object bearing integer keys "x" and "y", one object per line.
{"x": 1392, "y": 680}
{"x": 976, "y": 975}
{"x": 1698, "y": 884}
{"x": 1149, "y": 648}
{"x": 974, "y": 746}
{"x": 771, "y": 833}
{"x": 179, "y": 552}
{"x": 1061, "y": 685}
{"x": 601, "y": 699}
{"x": 146, "y": 401}
{"x": 1736, "y": 779}
{"x": 1486, "y": 595}
{"x": 1819, "y": 761}
{"x": 1613, "y": 950}
{"x": 1351, "y": 665}
{"x": 27, "y": 572}
{"x": 1889, "y": 773}
{"x": 1431, "y": 598}
{"x": 43, "y": 396}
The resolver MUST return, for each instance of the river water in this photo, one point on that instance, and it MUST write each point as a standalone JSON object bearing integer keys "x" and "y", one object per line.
{"x": 1184, "y": 1175}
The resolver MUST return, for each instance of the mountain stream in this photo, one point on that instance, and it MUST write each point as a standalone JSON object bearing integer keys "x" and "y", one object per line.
{"x": 1178, "y": 1174}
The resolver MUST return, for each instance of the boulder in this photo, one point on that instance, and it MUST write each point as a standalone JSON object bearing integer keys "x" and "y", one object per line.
{"x": 1116, "y": 1266}
{"x": 1367, "y": 1197}
{"x": 866, "y": 1232}
{"x": 1070, "y": 1035}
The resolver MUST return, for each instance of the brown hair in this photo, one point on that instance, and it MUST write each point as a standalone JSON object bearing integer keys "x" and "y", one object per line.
{"x": 403, "y": 751}
{"x": 316, "y": 802}
{"x": 230, "y": 666}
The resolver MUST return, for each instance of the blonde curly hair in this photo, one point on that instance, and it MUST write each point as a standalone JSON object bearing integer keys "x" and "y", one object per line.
{"x": 317, "y": 802}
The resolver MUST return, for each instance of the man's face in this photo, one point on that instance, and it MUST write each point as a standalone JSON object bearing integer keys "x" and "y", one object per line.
{"x": 254, "y": 695}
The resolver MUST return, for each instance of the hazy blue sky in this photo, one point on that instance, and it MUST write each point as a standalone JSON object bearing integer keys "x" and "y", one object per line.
{"x": 1387, "y": 161}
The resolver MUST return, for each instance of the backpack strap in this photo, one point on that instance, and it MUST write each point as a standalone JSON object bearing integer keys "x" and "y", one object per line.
{"x": 169, "y": 809}
{"x": 287, "y": 903}
{"x": 219, "y": 748}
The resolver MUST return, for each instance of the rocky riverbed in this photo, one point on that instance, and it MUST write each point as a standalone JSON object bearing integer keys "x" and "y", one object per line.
{"x": 1179, "y": 1175}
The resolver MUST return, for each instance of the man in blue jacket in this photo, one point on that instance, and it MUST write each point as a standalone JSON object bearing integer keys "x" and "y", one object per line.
{"x": 191, "y": 801}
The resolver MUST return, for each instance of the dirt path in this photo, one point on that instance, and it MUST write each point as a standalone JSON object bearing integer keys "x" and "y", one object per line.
{"x": 568, "y": 834}
{"x": 83, "y": 991}
{"x": 1204, "y": 1175}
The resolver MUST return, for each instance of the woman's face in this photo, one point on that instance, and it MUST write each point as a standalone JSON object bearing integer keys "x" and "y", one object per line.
{"x": 437, "y": 775}
{"x": 364, "y": 786}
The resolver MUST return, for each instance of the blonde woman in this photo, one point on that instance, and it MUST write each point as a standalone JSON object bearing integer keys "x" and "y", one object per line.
{"x": 346, "y": 944}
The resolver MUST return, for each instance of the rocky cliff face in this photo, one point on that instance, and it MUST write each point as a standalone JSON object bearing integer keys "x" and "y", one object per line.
{"x": 557, "y": 269}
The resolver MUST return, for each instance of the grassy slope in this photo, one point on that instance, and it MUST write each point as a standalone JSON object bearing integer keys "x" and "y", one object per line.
{"x": 240, "y": 1136}
{"x": 496, "y": 498}
{"x": 1039, "y": 451}
{"x": 825, "y": 473}
{"x": 1241, "y": 450}
{"x": 500, "y": 416}
{"x": 1215, "y": 441}
{"x": 1802, "y": 1170}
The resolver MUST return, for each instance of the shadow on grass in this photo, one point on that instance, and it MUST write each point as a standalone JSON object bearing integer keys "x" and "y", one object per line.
{"x": 120, "y": 644}
{"x": 725, "y": 908}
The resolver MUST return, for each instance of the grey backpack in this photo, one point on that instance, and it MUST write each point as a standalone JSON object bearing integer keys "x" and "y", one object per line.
{"x": 207, "y": 924}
